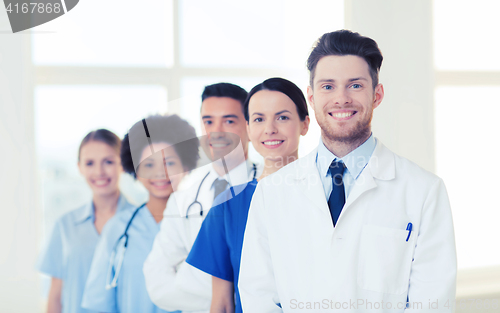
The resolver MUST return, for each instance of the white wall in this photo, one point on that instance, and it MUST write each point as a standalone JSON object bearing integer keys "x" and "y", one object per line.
{"x": 19, "y": 291}
{"x": 404, "y": 121}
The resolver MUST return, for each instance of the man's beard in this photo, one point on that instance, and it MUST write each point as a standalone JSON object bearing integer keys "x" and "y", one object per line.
{"x": 359, "y": 132}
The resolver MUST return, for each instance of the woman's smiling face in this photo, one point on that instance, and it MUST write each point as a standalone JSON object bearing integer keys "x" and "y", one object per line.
{"x": 274, "y": 126}
{"x": 100, "y": 165}
{"x": 162, "y": 172}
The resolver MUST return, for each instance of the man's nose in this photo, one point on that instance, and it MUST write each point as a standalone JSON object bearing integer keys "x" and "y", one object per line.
{"x": 217, "y": 127}
{"x": 217, "y": 134}
{"x": 342, "y": 97}
{"x": 217, "y": 130}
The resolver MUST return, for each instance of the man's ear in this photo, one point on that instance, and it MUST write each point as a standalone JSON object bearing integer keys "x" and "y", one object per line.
{"x": 310, "y": 96}
{"x": 378, "y": 95}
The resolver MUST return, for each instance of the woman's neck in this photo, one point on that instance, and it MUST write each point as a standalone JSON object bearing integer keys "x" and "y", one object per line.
{"x": 107, "y": 203}
{"x": 156, "y": 206}
{"x": 273, "y": 165}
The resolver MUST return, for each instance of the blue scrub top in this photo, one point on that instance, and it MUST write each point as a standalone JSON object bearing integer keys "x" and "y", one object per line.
{"x": 69, "y": 253}
{"x": 130, "y": 294}
{"x": 217, "y": 249}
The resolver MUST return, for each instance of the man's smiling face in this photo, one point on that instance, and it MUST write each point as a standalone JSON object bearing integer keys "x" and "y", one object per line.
{"x": 224, "y": 125}
{"x": 343, "y": 98}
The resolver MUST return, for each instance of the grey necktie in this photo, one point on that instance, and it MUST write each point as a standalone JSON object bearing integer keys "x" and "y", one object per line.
{"x": 219, "y": 186}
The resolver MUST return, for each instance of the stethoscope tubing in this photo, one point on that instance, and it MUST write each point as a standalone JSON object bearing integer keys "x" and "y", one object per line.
{"x": 254, "y": 167}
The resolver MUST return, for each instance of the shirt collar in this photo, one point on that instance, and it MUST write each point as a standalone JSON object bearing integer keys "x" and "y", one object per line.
{"x": 355, "y": 161}
{"x": 85, "y": 213}
{"x": 237, "y": 176}
{"x": 88, "y": 210}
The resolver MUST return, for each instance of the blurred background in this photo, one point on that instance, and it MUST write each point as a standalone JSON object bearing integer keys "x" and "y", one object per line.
{"x": 110, "y": 63}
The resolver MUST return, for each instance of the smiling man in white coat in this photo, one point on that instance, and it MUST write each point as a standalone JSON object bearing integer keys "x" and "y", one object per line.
{"x": 351, "y": 227}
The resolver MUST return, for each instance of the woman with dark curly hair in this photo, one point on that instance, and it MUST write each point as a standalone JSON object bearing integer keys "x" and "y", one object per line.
{"x": 157, "y": 151}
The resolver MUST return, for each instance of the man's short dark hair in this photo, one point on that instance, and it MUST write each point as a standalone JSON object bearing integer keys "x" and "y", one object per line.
{"x": 225, "y": 90}
{"x": 346, "y": 42}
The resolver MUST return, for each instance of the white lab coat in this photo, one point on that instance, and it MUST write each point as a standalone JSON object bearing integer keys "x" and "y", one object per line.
{"x": 293, "y": 255}
{"x": 173, "y": 284}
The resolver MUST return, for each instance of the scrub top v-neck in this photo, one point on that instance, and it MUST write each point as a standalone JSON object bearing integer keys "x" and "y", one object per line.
{"x": 130, "y": 294}
{"x": 69, "y": 252}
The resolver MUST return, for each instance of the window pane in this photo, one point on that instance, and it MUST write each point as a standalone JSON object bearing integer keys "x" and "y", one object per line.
{"x": 466, "y": 35}
{"x": 63, "y": 116}
{"x": 467, "y": 160}
{"x": 109, "y": 33}
{"x": 254, "y": 33}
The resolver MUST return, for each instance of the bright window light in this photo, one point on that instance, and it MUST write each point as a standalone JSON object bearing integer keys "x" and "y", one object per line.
{"x": 466, "y": 35}
{"x": 227, "y": 33}
{"x": 108, "y": 33}
{"x": 467, "y": 160}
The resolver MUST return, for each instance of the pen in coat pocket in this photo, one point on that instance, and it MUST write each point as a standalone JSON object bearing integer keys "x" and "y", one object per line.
{"x": 409, "y": 228}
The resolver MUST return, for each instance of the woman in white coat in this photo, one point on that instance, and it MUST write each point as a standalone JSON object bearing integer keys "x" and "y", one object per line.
{"x": 277, "y": 116}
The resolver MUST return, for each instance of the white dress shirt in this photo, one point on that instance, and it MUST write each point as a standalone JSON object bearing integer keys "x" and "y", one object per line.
{"x": 173, "y": 284}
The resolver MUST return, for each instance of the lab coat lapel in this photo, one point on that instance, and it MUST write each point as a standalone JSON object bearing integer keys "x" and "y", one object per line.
{"x": 309, "y": 181}
{"x": 364, "y": 183}
{"x": 381, "y": 166}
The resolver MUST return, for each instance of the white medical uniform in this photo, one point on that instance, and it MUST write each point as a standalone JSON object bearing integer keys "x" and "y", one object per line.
{"x": 173, "y": 284}
{"x": 295, "y": 260}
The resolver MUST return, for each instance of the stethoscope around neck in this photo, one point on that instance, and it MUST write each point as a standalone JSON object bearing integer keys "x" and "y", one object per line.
{"x": 196, "y": 203}
{"x": 111, "y": 281}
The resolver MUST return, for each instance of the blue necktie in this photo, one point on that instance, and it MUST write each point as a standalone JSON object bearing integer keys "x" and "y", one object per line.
{"x": 337, "y": 197}
{"x": 219, "y": 185}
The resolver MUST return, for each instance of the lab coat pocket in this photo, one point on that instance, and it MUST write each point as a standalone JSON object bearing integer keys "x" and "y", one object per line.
{"x": 384, "y": 259}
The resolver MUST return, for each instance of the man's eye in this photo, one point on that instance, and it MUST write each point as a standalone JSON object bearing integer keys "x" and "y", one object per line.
{"x": 230, "y": 122}
{"x": 89, "y": 163}
{"x": 207, "y": 122}
{"x": 356, "y": 86}
{"x": 327, "y": 87}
